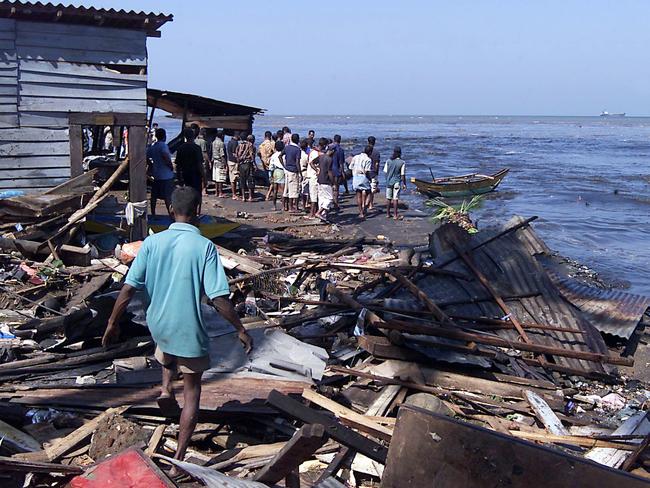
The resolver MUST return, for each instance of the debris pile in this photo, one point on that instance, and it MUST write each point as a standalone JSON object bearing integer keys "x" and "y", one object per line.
{"x": 450, "y": 364}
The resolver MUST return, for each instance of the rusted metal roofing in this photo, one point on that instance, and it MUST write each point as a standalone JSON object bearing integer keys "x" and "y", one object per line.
{"x": 70, "y": 14}
{"x": 610, "y": 311}
{"x": 177, "y": 103}
{"x": 513, "y": 271}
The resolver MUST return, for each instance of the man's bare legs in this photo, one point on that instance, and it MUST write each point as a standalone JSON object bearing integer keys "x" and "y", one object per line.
{"x": 168, "y": 375}
{"x": 190, "y": 414}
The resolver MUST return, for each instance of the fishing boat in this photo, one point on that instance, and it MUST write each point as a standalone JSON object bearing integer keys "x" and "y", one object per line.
{"x": 460, "y": 186}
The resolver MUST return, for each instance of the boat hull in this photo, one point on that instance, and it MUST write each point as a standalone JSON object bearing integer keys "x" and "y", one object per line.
{"x": 463, "y": 186}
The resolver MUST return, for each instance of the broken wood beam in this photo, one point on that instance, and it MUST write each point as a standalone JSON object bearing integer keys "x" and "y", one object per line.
{"x": 334, "y": 429}
{"x": 346, "y": 415}
{"x": 299, "y": 449}
{"x": 571, "y": 440}
{"x": 67, "y": 443}
{"x": 545, "y": 414}
{"x": 422, "y": 297}
{"x": 501, "y": 342}
{"x": 12, "y": 464}
{"x": 469, "y": 262}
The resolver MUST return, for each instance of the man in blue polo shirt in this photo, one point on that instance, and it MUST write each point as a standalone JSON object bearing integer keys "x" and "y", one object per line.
{"x": 292, "y": 173}
{"x": 176, "y": 268}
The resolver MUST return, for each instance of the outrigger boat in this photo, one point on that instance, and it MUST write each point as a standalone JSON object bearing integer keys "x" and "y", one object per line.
{"x": 460, "y": 186}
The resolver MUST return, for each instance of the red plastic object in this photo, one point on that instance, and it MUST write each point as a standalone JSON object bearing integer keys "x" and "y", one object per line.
{"x": 129, "y": 469}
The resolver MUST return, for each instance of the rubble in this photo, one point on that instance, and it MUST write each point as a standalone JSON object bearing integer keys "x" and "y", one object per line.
{"x": 469, "y": 361}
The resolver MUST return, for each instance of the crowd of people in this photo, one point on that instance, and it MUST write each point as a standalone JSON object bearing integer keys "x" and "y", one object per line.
{"x": 304, "y": 174}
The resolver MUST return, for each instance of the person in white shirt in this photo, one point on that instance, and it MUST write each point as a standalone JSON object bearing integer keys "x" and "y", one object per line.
{"x": 360, "y": 166}
{"x": 311, "y": 175}
{"x": 304, "y": 181}
{"x": 276, "y": 167}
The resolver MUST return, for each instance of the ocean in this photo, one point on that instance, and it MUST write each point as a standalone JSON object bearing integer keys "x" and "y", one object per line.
{"x": 587, "y": 178}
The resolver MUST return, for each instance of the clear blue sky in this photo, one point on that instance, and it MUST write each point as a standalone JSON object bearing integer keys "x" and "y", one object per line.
{"x": 518, "y": 57}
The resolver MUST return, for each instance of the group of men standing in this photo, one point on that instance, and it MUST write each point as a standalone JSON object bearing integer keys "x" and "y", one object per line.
{"x": 305, "y": 173}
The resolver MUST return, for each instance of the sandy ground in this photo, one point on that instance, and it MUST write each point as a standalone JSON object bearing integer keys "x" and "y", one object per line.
{"x": 260, "y": 215}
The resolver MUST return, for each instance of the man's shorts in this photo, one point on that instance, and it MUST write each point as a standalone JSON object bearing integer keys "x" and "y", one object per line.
{"x": 220, "y": 173}
{"x": 304, "y": 186}
{"x": 292, "y": 186}
{"x": 246, "y": 172}
{"x": 233, "y": 171}
{"x": 313, "y": 188}
{"x": 162, "y": 190}
{"x": 185, "y": 365}
{"x": 392, "y": 192}
{"x": 325, "y": 196}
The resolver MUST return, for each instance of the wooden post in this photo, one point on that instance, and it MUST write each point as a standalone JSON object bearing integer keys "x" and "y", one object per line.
{"x": 299, "y": 449}
{"x": 76, "y": 150}
{"x": 138, "y": 176}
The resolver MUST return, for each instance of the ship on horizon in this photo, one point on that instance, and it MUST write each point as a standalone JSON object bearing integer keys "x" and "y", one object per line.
{"x": 605, "y": 113}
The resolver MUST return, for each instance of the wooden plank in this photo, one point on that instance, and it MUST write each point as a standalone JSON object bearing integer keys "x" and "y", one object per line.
{"x": 11, "y": 464}
{"x": 35, "y": 69}
{"x": 96, "y": 78}
{"x": 80, "y": 56}
{"x": 545, "y": 414}
{"x": 98, "y": 118}
{"x": 299, "y": 449}
{"x": 8, "y": 44}
{"x": 8, "y": 120}
{"x": 23, "y": 27}
{"x": 34, "y": 148}
{"x": 572, "y": 440}
{"x": 8, "y": 105}
{"x": 34, "y": 162}
{"x": 429, "y": 450}
{"x": 30, "y": 183}
{"x": 34, "y": 135}
{"x": 43, "y": 119}
{"x": 76, "y": 150}
{"x": 155, "y": 439}
{"x": 71, "y": 90}
{"x": 8, "y": 25}
{"x": 335, "y": 430}
{"x": 9, "y": 90}
{"x": 360, "y": 421}
{"x": 34, "y": 173}
{"x": 37, "y": 104}
{"x": 72, "y": 40}
{"x": 66, "y": 444}
{"x": 232, "y": 260}
{"x": 637, "y": 424}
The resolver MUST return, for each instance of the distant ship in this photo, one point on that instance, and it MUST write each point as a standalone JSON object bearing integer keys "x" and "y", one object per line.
{"x": 605, "y": 113}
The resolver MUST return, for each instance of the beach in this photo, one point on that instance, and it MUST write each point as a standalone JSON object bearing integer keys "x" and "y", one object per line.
{"x": 587, "y": 178}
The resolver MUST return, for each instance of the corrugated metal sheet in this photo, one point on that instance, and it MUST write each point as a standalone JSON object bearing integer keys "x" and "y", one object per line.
{"x": 70, "y": 14}
{"x": 511, "y": 268}
{"x": 610, "y": 311}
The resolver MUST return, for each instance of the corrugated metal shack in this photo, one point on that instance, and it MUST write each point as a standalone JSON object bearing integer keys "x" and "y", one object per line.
{"x": 63, "y": 67}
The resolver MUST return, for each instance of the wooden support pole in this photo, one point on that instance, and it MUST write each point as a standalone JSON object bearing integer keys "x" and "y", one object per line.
{"x": 138, "y": 177}
{"x": 299, "y": 449}
{"x": 421, "y": 296}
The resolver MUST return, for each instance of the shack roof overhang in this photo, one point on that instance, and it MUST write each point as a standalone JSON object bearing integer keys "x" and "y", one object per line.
{"x": 69, "y": 14}
{"x": 207, "y": 112}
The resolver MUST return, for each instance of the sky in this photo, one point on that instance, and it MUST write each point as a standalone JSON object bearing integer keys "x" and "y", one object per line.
{"x": 364, "y": 57}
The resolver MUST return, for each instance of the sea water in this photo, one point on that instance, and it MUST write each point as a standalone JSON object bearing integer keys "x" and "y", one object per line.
{"x": 587, "y": 178}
